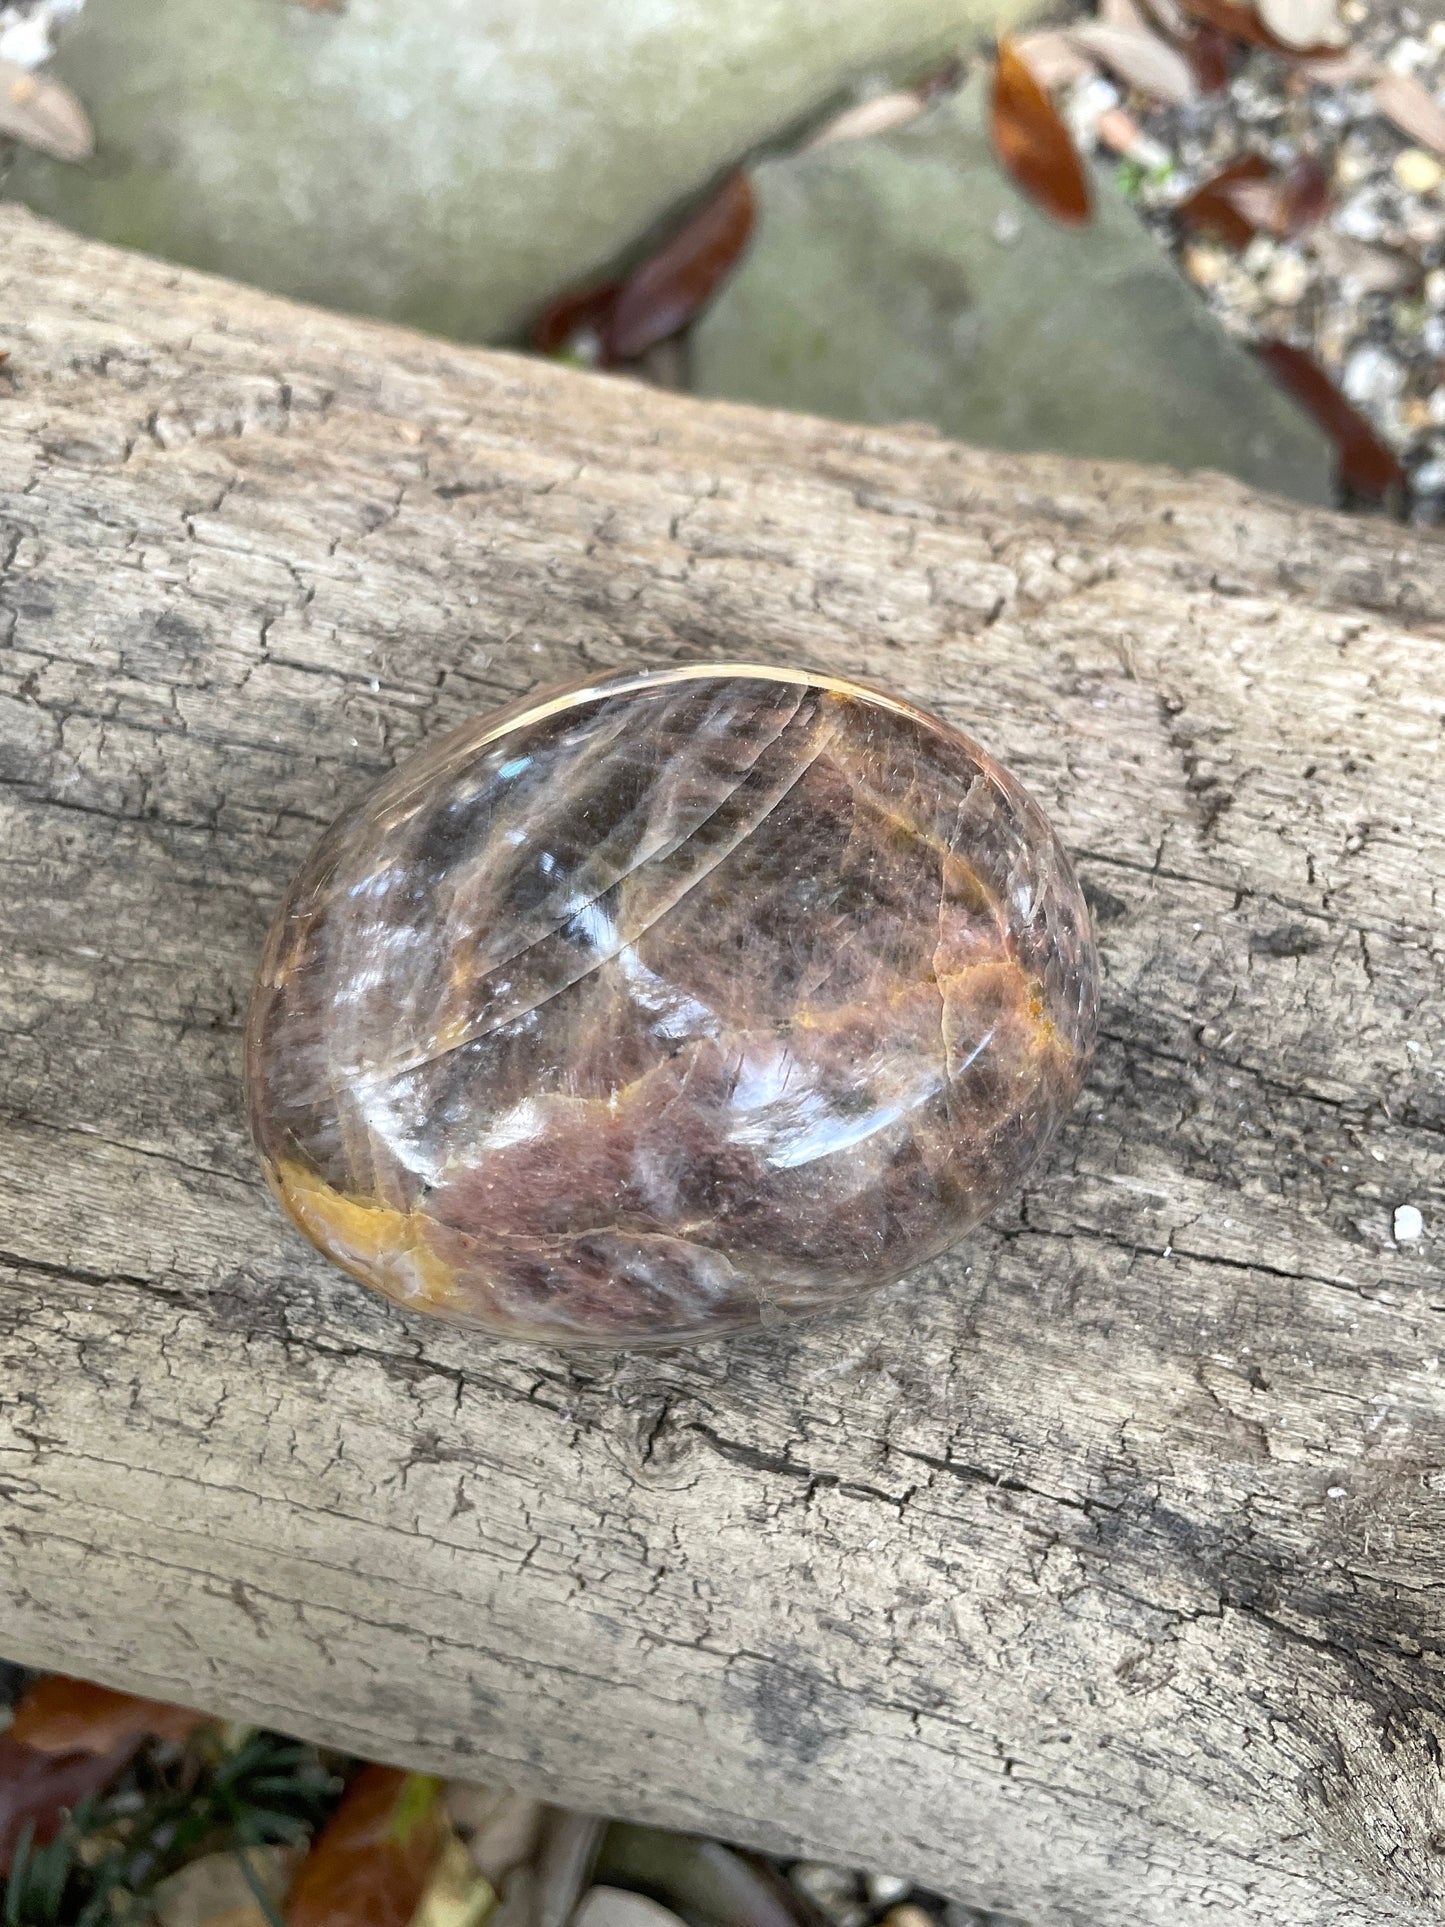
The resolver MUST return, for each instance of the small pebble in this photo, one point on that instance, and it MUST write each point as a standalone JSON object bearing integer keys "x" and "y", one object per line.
{"x": 1203, "y": 265}
{"x": 832, "y": 1890}
{"x": 887, "y": 1889}
{"x": 1287, "y": 278}
{"x": 26, "y": 41}
{"x": 908, "y": 1916}
{"x": 1409, "y": 1223}
{"x": 1359, "y": 218}
{"x": 1418, "y": 172}
{"x": 1372, "y": 376}
{"x": 1090, "y": 99}
{"x": 1407, "y": 55}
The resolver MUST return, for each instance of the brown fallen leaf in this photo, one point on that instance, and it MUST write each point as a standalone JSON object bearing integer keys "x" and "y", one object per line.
{"x": 1033, "y": 143}
{"x": 1244, "y": 24}
{"x": 1214, "y": 206}
{"x": 1259, "y": 204}
{"x": 666, "y": 292}
{"x": 62, "y": 1715}
{"x": 1286, "y": 205}
{"x": 1368, "y": 470}
{"x": 1304, "y": 196}
{"x": 1302, "y": 23}
{"x": 572, "y": 316}
{"x": 1211, "y": 54}
{"x": 1140, "y": 60}
{"x": 1052, "y": 58}
{"x": 1409, "y": 103}
{"x": 38, "y": 1789}
{"x": 43, "y": 114}
{"x": 371, "y": 1862}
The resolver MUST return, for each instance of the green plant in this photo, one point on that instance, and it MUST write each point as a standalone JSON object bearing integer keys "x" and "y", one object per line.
{"x": 251, "y": 1790}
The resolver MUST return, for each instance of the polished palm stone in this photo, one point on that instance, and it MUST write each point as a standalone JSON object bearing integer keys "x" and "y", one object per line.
{"x": 651, "y": 1007}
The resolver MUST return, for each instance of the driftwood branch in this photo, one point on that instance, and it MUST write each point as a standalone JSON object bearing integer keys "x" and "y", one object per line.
{"x": 1098, "y": 1575}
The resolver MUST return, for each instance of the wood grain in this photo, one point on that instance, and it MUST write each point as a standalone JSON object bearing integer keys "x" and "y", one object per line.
{"x": 1098, "y": 1575}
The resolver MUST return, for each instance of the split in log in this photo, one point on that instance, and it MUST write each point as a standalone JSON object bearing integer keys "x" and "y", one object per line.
{"x": 1099, "y": 1574}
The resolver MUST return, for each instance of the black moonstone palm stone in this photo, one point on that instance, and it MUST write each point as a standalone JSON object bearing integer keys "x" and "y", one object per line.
{"x": 646, "y": 1009}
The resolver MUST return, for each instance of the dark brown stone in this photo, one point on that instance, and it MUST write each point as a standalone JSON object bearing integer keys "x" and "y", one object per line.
{"x": 650, "y": 1007}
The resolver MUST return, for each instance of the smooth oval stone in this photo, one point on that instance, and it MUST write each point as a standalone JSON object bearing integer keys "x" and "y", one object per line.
{"x": 651, "y": 1007}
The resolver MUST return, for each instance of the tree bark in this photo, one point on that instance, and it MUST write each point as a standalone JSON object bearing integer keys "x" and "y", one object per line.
{"x": 1097, "y": 1575}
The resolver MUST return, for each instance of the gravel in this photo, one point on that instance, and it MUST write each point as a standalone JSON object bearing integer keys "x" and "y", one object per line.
{"x": 1364, "y": 289}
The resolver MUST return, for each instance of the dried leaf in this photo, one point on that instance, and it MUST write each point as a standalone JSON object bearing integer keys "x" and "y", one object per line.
{"x": 1259, "y": 204}
{"x": 1304, "y": 195}
{"x": 1339, "y": 70}
{"x": 1170, "y": 16}
{"x": 1413, "y": 108}
{"x": 38, "y": 1789}
{"x": 1244, "y": 24}
{"x": 1033, "y": 143}
{"x": 1302, "y": 23}
{"x": 880, "y": 115}
{"x": 1367, "y": 468}
{"x": 665, "y": 293}
{"x": 1211, "y": 54}
{"x": 371, "y": 1862}
{"x": 1124, "y": 13}
{"x": 1284, "y": 205}
{"x": 1214, "y": 206}
{"x": 572, "y": 316}
{"x": 1229, "y": 17}
{"x": 43, "y": 114}
{"x": 1141, "y": 60}
{"x": 62, "y": 1715}
{"x": 1053, "y": 59}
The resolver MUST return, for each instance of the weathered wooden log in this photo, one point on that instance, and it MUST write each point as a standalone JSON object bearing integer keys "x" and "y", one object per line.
{"x": 1099, "y": 1574}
